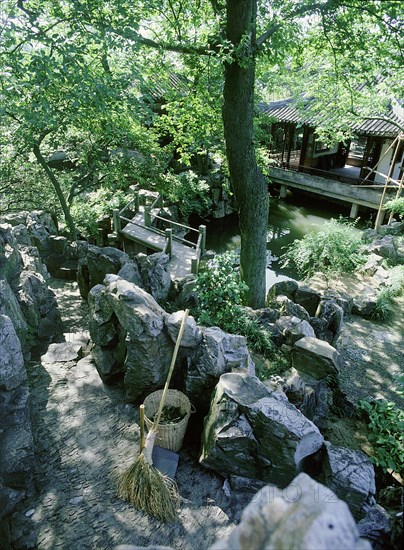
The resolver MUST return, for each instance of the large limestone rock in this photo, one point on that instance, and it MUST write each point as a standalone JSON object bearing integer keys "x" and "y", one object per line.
{"x": 254, "y": 432}
{"x": 351, "y": 475}
{"x": 333, "y": 314}
{"x": 155, "y": 273}
{"x": 39, "y": 306}
{"x": 129, "y": 329}
{"x": 217, "y": 354}
{"x": 9, "y": 306}
{"x": 11, "y": 263}
{"x": 293, "y": 329}
{"x": 283, "y": 288}
{"x": 12, "y": 372}
{"x": 315, "y": 358}
{"x": 16, "y": 445}
{"x": 95, "y": 264}
{"x": 303, "y": 515}
{"x": 308, "y": 298}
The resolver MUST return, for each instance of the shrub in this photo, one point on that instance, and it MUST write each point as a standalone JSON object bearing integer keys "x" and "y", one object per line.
{"x": 337, "y": 248}
{"x": 386, "y": 425}
{"x": 221, "y": 293}
{"x": 395, "y": 206}
{"x": 87, "y": 210}
{"x": 189, "y": 192}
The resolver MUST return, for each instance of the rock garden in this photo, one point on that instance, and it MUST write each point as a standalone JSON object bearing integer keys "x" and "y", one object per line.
{"x": 279, "y": 451}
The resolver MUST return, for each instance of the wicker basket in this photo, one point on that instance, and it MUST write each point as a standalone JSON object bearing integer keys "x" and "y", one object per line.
{"x": 169, "y": 436}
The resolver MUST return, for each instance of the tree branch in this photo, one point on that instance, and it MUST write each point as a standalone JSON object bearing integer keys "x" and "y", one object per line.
{"x": 131, "y": 34}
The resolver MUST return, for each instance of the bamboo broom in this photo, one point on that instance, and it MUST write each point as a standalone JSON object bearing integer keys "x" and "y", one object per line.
{"x": 142, "y": 484}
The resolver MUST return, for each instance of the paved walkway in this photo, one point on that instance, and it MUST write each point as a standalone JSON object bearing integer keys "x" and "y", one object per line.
{"x": 84, "y": 434}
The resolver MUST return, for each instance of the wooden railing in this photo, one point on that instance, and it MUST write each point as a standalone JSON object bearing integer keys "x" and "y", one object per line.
{"x": 149, "y": 217}
{"x": 328, "y": 174}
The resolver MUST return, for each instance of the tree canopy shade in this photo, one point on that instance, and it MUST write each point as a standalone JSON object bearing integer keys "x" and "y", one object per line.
{"x": 72, "y": 63}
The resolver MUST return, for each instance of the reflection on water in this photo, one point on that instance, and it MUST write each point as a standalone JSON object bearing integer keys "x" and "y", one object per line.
{"x": 288, "y": 220}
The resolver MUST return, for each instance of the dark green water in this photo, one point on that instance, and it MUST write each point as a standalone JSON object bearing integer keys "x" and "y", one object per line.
{"x": 288, "y": 219}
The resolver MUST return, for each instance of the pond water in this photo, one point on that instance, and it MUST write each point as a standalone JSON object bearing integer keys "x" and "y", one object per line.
{"x": 288, "y": 219}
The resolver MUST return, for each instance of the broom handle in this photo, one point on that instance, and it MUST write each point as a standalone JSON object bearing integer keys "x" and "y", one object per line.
{"x": 141, "y": 427}
{"x": 170, "y": 371}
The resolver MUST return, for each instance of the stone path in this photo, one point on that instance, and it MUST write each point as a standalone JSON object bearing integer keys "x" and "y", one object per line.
{"x": 84, "y": 434}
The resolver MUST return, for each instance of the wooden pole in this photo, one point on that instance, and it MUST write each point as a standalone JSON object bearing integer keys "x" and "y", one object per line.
{"x": 381, "y": 158}
{"x": 397, "y": 196}
{"x": 393, "y": 162}
{"x": 141, "y": 421}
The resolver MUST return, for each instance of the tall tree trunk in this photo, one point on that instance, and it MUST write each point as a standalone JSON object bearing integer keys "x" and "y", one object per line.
{"x": 248, "y": 183}
{"x": 59, "y": 192}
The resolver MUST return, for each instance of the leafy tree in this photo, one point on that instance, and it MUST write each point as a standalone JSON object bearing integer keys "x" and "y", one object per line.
{"x": 239, "y": 36}
{"x": 62, "y": 87}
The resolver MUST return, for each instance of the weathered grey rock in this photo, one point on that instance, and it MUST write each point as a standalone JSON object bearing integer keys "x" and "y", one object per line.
{"x": 40, "y": 226}
{"x": 341, "y": 298}
{"x": 384, "y": 247}
{"x": 313, "y": 400}
{"x": 294, "y": 387}
{"x": 293, "y": 328}
{"x": 17, "y": 464}
{"x": 12, "y": 370}
{"x": 375, "y": 526}
{"x": 308, "y": 298}
{"x": 109, "y": 362}
{"x": 245, "y": 484}
{"x": 321, "y": 331}
{"x": 288, "y": 307}
{"x": 100, "y": 307}
{"x": 333, "y": 315}
{"x": 155, "y": 274}
{"x": 11, "y": 263}
{"x": 192, "y": 336}
{"x": 130, "y": 272}
{"x": 104, "y": 334}
{"x": 315, "y": 358}
{"x": 147, "y": 342}
{"x": 97, "y": 263}
{"x": 187, "y": 295}
{"x": 10, "y": 307}
{"x": 39, "y": 306}
{"x": 62, "y": 352}
{"x": 351, "y": 475}
{"x": 32, "y": 261}
{"x": 252, "y": 431}
{"x": 372, "y": 263}
{"x": 217, "y": 354}
{"x": 303, "y": 515}
{"x": 380, "y": 276}
{"x": 264, "y": 316}
{"x": 21, "y": 234}
{"x": 364, "y": 304}
{"x": 285, "y": 288}
{"x": 323, "y": 403}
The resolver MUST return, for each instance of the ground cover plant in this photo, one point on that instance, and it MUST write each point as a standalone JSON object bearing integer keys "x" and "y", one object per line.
{"x": 337, "y": 248}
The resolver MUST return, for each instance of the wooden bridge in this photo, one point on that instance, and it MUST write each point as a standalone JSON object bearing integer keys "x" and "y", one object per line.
{"x": 184, "y": 255}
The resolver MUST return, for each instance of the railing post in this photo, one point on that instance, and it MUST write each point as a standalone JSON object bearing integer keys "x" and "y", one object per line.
{"x": 136, "y": 202}
{"x": 116, "y": 220}
{"x": 202, "y": 232}
{"x": 194, "y": 266}
{"x": 169, "y": 238}
{"x": 147, "y": 216}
